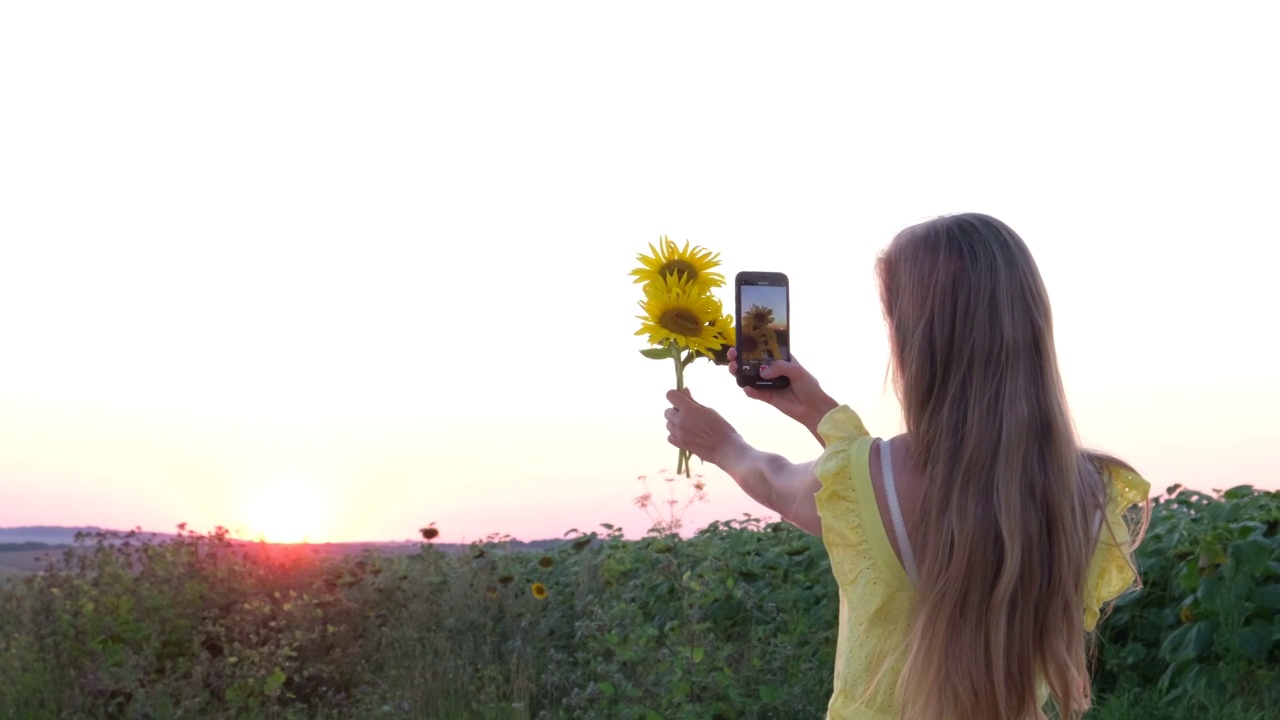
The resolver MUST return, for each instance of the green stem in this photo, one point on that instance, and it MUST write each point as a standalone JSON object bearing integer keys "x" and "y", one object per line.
{"x": 675, "y": 355}
{"x": 682, "y": 460}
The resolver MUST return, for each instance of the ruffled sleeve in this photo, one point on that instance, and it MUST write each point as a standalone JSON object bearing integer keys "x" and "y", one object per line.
{"x": 1111, "y": 571}
{"x": 841, "y": 424}
{"x": 840, "y": 430}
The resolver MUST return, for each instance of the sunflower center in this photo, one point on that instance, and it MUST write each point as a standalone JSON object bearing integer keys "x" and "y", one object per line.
{"x": 682, "y": 269}
{"x": 758, "y": 317}
{"x": 682, "y": 322}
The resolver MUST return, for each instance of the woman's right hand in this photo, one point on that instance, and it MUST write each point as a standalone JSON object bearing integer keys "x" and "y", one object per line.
{"x": 803, "y": 400}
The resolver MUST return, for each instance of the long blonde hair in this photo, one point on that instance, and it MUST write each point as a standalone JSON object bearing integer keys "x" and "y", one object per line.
{"x": 1007, "y": 520}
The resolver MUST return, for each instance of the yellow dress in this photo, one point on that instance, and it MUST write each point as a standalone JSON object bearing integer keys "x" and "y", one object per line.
{"x": 877, "y": 597}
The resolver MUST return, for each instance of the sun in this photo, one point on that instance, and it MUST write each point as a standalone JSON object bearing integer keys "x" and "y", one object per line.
{"x": 286, "y": 511}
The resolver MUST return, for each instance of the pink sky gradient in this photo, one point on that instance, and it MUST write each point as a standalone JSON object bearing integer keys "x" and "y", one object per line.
{"x": 369, "y": 270}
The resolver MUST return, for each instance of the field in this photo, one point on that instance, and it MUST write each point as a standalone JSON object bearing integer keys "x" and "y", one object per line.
{"x": 21, "y": 562}
{"x": 737, "y": 621}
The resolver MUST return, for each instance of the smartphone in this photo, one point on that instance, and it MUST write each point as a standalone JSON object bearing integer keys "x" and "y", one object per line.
{"x": 763, "y": 325}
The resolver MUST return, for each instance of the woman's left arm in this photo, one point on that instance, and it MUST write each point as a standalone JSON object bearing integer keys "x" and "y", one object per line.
{"x": 784, "y": 487}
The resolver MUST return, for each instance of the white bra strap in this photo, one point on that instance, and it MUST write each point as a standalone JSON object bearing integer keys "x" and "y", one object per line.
{"x": 895, "y": 511}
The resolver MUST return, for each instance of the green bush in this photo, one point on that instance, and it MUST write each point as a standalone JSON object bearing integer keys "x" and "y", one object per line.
{"x": 737, "y": 621}
{"x": 1203, "y": 630}
{"x": 198, "y": 625}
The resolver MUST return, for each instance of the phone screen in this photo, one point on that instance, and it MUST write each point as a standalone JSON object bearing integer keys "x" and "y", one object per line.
{"x": 764, "y": 329}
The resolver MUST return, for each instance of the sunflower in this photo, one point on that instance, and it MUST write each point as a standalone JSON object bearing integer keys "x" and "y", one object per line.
{"x": 771, "y": 349}
{"x": 539, "y": 591}
{"x": 751, "y": 346}
{"x": 759, "y": 344}
{"x": 691, "y": 265}
{"x": 728, "y": 336}
{"x": 683, "y": 319}
{"x": 545, "y": 561}
{"x": 676, "y": 312}
{"x": 757, "y": 317}
{"x": 724, "y": 326}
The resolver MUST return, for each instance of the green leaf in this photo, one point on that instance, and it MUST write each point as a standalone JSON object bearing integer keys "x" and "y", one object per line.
{"x": 606, "y": 688}
{"x": 698, "y": 654}
{"x": 1189, "y": 641}
{"x": 657, "y": 353}
{"x": 1189, "y": 578}
{"x": 1167, "y": 679}
{"x": 273, "y": 683}
{"x": 1255, "y": 640}
{"x": 1199, "y": 640}
{"x": 1252, "y": 554}
{"x": 1210, "y": 590}
{"x": 1238, "y": 492}
{"x": 1268, "y": 596}
{"x": 1248, "y": 529}
{"x": 1132, "y": 654}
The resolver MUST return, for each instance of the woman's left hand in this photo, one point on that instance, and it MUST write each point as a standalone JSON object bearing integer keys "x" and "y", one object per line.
{"x": 696, "y": 427}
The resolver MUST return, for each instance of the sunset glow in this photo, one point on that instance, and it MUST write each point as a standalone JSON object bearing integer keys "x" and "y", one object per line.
{"x": 286, "y": 511}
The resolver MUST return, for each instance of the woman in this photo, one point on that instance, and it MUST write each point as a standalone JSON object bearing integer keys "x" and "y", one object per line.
{"x": 974, "y": 552}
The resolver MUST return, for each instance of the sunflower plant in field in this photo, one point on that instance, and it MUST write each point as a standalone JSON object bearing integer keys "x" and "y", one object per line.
{"x": 683, "y": 320}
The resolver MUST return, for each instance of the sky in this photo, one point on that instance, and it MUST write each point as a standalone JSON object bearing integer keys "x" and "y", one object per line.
{"x": 335, "y": 271}
{"x": 772, "y": 297}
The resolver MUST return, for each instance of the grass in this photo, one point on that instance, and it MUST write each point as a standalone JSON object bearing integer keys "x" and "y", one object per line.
{"x": 1149, "y": 705}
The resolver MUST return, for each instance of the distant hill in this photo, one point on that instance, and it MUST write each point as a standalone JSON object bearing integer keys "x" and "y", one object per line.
{"x": 6, "y": 547}
{"x": 44, "y": 534}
